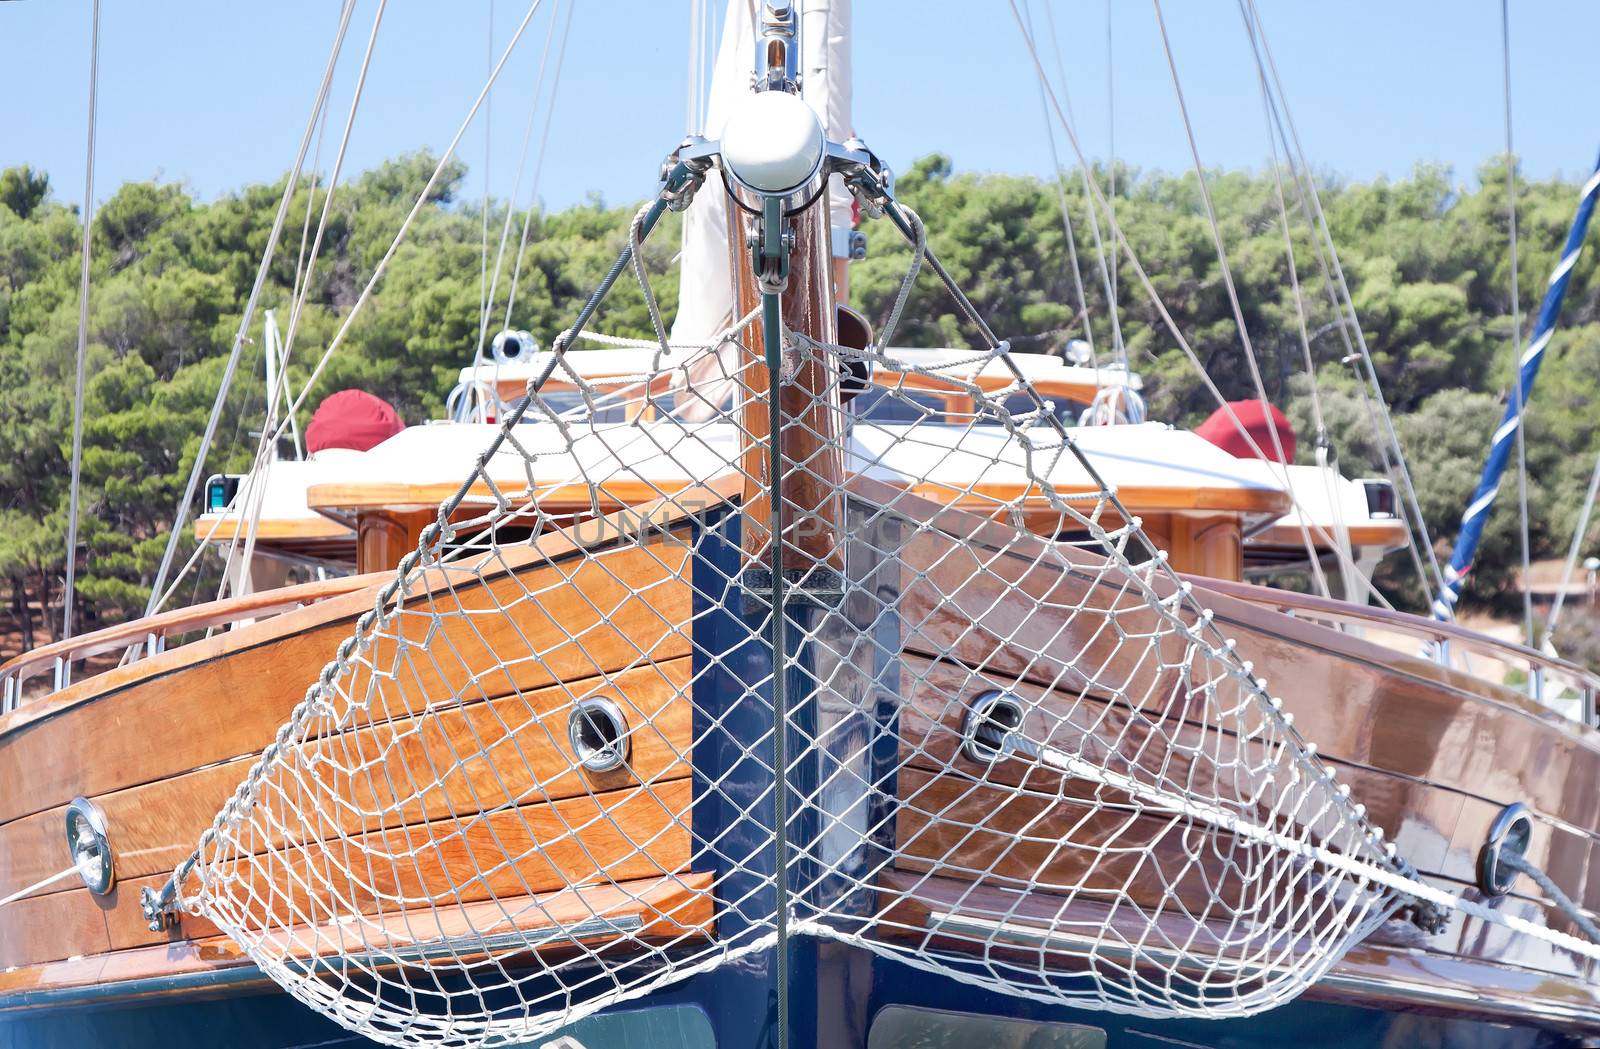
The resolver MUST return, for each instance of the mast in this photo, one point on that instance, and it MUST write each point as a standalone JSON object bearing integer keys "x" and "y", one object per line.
{"x": 1476, "y": 515}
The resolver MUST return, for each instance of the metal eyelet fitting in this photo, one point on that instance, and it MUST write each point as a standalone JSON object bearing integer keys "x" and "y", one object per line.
{"x": 89, "y": 846}
{"x": 598, "y": 731}
{"x": 993, "y": 717}
{"x": 1509, "y": 834}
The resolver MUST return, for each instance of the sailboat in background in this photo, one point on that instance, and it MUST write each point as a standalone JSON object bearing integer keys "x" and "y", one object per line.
{"x": 768, "y": 683}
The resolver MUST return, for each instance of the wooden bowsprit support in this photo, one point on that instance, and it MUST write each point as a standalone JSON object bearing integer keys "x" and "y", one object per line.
{"x": 779, "y": 243}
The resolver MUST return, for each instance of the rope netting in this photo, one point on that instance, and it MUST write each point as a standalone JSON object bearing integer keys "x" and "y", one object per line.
{"x": 541, "y": 777}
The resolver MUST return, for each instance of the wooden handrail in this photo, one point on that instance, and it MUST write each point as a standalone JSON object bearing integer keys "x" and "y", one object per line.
{"x": 1400, "y": 622}
{"x": 183, "y": 620}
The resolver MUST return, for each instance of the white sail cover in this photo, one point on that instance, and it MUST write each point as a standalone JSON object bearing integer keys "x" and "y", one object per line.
{"x": 706, "y": 295}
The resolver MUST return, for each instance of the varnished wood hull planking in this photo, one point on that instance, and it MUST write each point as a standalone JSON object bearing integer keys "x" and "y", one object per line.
{"x": 1433, "y": 754}
{"x": 1405, "y": 734}
{"x": 606, "y": 625}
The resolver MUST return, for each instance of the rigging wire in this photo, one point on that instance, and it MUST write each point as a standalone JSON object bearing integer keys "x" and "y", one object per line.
{"x": 1352, "y": 581}
{"x": 1579, "y": 533}
{"x": 376, "y": 277}
{"x": 83, "y": 327}
{"x": 1388, "y": 450}
{"x": 1333, "y": 270}
{"x": 1139, "y": 272}
{"x": 516, "y": 185}
{"x": 538, "y": 162}
{"x": 255, "y": 487}
{"x": 1086, "y": 176}
{"x": 382, "y": 266}
{"x": 180, "y": 515}
{"x": 1060, "y": 181}
{"x": 1233, "y": 294}
{"x": 488, "y": 141}
{"x": 1111, "y": 167}
{"x": 1516, "y": 336}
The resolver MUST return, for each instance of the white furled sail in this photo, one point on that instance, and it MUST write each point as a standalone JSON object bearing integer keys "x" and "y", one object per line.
{"x": 825, "y": 60}
{"x": 706, "y": 293}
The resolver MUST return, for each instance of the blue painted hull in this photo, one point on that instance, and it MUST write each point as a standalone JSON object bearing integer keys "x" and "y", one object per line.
{"x": 844, "y": 999}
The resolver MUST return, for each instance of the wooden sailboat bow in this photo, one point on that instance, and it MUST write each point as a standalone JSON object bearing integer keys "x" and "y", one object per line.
{"x": 704, "y": 685}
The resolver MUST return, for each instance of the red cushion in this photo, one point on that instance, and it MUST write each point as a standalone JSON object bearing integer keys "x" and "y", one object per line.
{"x": 1220, "y": 429}
{"x": 352, "y": 419}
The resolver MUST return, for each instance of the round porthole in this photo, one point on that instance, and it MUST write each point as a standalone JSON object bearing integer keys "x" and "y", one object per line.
{"x": 993, "y": 718}
{"x": 89, "y": 846}
{"x": 598, "y": 731}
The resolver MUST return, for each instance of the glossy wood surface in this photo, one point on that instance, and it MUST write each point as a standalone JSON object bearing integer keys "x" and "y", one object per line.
{"x": 224, "y": 708}
{"x": 667, "y": 908}
{"x": 215, "y": 713}
{"x": 524, "y": 737}
{"x": 384, "y": 536}
{"x": 811, "y": 430}
{"x": 219, "y": 528}
{"x": 1432, "y": 753}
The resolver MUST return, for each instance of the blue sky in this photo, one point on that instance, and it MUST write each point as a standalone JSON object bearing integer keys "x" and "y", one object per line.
{"x": 215, "y": 95}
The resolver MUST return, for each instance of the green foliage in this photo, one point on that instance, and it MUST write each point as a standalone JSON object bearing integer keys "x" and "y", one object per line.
{"x": 1427, "y": 264}
{"x": 170, "y": 280}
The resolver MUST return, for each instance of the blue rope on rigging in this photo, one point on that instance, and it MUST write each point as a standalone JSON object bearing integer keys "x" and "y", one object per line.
{"x": 1477, "y": 512}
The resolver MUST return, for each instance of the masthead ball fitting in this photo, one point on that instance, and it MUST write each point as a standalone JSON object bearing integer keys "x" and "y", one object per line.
{"x": 773, "y": 143}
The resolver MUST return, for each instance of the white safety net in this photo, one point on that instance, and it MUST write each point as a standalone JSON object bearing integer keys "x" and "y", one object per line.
{"x": 542, "y": 776}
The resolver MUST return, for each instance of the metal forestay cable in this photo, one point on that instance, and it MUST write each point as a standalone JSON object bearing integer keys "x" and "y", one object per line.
{"x": 1516, "y": 335}
{"x": 1059, "y": 179}
{"x": 83, "y": 327}
{"x": 1340, "y": 289}
{"x": 516, "y": 191}
{"x": 538, "y": 163}
{"x": 1086, "y": 176}
{"x": 1350, "y": 578}
{"x": 254, "y": 493}
{"x": 1579, "y": 533}
{"x": 1233, "y": 295}
{"x": 1143, "y": 277}
{"x": 180, "y": 515}
{"x": 772, "y": 331}
{"x": 405, "y": 226}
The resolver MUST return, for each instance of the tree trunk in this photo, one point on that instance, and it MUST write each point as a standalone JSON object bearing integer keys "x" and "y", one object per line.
{"x": 24, "y": 612}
